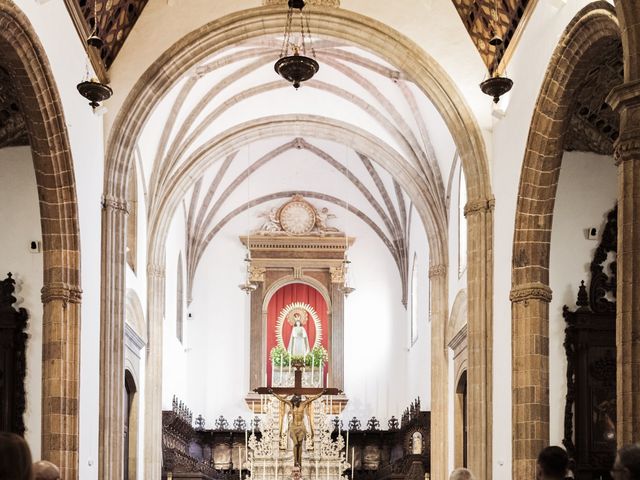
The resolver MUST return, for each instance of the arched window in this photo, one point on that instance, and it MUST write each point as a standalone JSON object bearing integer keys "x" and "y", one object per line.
{"x": 180, "y": 302}
{"x": 132, "y": 218}
{"x": 462, "y": 223}
{"x": 130, "y": 425}
{"x": 414, "y": 300}
{"x": 461, "y": 421}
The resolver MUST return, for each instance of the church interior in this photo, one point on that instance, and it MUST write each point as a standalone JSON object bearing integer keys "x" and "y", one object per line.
{"x": 321, "y": 239}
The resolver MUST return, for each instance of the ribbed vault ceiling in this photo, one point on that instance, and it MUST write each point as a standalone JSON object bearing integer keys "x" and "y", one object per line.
{"x": 354, "y": 89}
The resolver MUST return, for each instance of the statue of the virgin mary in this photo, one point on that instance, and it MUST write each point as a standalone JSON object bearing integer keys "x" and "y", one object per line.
{"x": 299, "y": 341}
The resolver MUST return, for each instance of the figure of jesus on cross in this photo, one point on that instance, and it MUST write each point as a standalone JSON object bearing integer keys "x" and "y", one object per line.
{"x": 298, "y": 408}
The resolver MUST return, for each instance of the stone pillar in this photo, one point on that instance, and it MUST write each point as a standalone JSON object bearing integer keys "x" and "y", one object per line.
{"x": 337, "y": 336}
{"x": 625, "y": 99}
{"x": 479, "y": 215}
{"x": 153, "y": 371}
{"x": 530, "y": 375}
{"x": 61, "y": 376}
{"x": 258, "y": 326}
{"x": 439, "y": 372}
{"x": 112, "y": 313}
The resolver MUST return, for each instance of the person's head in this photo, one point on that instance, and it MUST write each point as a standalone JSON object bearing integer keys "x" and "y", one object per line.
{"x": 295, "y": 400}
{"x": 297, "y": 319}
{"x": 15, "y": 458}
{"x": 461, "y": 474}
{"x": 44, "y": 470}
{"x": 295, "y": 473}
{"x": 627, "y": 464}
{"x": 552, "y": 463}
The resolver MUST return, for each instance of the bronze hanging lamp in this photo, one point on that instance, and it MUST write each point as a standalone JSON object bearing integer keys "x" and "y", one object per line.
{"x": 294, "y": 65}
{"x": 91, "y": 88}
{"x": 496, "y": 85}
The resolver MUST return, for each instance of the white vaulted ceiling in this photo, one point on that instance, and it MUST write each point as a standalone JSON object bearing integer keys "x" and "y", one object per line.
{"x": 285, "y": 141}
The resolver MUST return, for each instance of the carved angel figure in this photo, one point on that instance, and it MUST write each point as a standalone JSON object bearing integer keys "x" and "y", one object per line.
{"x": 322, "y": 216}
{"x": 271, "y": 223}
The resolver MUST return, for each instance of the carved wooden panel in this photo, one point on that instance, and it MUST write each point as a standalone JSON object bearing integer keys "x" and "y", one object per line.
{"x": 590, "y": 410}
{"x": 13, "y": 343}
{"x": 13, "y": 129}
{"x": 484, "y": 19}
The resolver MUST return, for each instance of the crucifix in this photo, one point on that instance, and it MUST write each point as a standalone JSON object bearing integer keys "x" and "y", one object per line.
{"x": 298, "y": 408}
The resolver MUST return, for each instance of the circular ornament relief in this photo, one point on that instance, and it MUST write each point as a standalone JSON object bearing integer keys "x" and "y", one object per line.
{"x": 297, "y": 217}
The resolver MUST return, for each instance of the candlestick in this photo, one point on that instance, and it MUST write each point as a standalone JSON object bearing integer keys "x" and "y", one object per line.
{"x": 246, "y": 437}
{"x": 239, "y": 462}
{"x": 280, "y": 383}
{"x": 253, "y": 420}
{"x": 316, "y": 469}
{"x": 353, "y": 460}
{"x": 277, "y": 454}
{"x": 313, "y": 367}
{"x": 347, "y": 447}
{"x": 264, "y": 469}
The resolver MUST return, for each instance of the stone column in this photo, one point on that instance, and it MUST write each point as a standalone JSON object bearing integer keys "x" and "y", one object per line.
{"x": 625, "y": 99}
{"x": 439, "y": 372}
{"x": 112, "y": 313}
{"x": 61, "y": 376}
{"x": 479, "y": 215}
{"x": 530, "y": 377}
{"x": 257, "y": 347}
{"x": 153, "y": 371}
{"x": 337, "y": 336}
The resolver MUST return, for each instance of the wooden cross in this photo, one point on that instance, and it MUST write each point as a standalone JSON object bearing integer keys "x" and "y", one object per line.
{"x": 297, "y": 388}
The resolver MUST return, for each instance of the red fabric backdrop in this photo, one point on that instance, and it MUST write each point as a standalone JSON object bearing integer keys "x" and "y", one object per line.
{"x": 284, "y": 296}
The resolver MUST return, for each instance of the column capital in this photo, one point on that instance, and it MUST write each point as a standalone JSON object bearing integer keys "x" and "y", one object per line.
{"x": 113, "y": 203}
{"x": 437, "y": 271}
{"x": 480, "y": 205}
{"x": 157, "y": 271}
{"x": 256, "y": 274}
{"x": 61, "y": 291}
{"x": 530, "y": 291}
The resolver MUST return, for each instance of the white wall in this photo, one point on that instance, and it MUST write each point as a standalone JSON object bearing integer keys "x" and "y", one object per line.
{"x": 67, "y": 59}
{"x": 20, "y": 213}
{"x": 527, "y": 68}
{"x": 586, "y": 193}
{"x": 382, "y": 376}
{"x": 174, "y": 359}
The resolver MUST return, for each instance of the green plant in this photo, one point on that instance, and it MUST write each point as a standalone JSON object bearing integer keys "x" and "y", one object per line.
{"x": 281, "y": 358}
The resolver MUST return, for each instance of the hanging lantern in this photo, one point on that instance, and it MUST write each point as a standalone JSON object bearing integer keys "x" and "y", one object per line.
{"x": 496, "y": 86}
{"x": 94, "y": 91}
{"x": 294, "y": 65}
{"x": 94, "y": 39}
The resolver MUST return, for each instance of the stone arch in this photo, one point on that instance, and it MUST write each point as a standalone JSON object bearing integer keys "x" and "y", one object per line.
{"x": 585, "y": 39}
{"x": 24, "y": 58}
{"x": 312, "y": 282}
{"x": 135, "y": 316}
{"x": 458, "y": 317}
{"x": 434, "y": 82}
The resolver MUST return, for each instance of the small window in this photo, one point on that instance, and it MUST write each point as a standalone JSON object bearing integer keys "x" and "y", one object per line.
{"x": 414, "y": 300}
{"x": 180, "y": 302}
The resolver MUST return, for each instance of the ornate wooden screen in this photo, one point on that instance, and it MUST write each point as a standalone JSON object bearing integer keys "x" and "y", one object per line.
{"x": 13, "y": 341}
{"x": 590, "y": 346}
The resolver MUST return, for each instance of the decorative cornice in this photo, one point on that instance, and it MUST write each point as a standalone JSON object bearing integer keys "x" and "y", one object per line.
{"x": 114, "y": 203}
{"x": 626, "y": 150}
{"x": 479, "y": 206}
{"x": 624, "y": 96}
{"x": 530, "y": 291}
{"x": 437, "y": 271}
{"x": 61, "y": 291}
{"x": 458, "y": 340}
